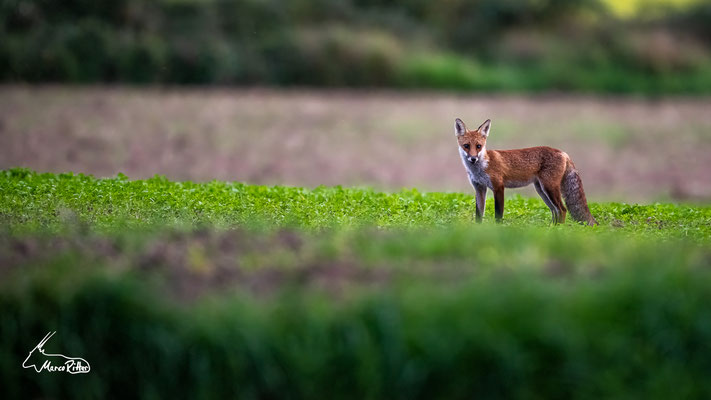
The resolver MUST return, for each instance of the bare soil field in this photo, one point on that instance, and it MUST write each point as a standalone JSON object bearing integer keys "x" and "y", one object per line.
{"x": 627, "y": 149}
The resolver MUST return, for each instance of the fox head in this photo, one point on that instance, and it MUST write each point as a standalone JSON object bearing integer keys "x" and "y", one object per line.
{"x": 472, "y": 144}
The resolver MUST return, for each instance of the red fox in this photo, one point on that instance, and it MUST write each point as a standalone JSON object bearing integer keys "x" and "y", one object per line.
{"x": 550, "y": 170}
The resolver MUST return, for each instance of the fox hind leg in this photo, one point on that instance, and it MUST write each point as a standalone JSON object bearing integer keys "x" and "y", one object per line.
{"x": 547, "y": 200}
{"x": 555, "y": 197}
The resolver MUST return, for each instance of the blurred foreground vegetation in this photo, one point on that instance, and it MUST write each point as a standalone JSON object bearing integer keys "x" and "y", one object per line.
{"x": 514, "y": 45}
{"x": 230, "y": 290}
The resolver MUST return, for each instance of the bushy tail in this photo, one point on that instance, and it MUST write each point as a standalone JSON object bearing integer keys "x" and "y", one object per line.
{"x": 574, "y": 195}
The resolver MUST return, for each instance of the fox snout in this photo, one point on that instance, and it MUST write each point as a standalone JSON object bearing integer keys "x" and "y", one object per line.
{"x": 472, "y": 160}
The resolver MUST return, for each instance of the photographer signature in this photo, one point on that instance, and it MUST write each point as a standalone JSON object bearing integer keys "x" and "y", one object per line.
{"x": 39, "y": 360}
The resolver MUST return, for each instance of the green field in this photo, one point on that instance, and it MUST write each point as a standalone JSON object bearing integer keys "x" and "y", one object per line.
{"x": 222, "y": 289}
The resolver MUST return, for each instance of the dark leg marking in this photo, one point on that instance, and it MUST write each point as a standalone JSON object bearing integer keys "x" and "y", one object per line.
{"x": 499, "y": 202}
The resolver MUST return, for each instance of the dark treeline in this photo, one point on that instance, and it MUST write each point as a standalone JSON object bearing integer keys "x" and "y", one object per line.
{"x": 484, "y": 44}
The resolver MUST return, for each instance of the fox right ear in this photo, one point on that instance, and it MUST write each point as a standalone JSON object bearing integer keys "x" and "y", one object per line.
{"x": 459, "y": 127}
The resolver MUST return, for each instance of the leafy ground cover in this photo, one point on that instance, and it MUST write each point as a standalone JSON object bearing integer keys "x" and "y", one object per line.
{"x": 353, "y": 138}
{"x": 47, "y": 202}
{"x": 226, "y": 289}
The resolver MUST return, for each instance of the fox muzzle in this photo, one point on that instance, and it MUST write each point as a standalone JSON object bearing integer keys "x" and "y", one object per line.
{"x": 472, "y": 160}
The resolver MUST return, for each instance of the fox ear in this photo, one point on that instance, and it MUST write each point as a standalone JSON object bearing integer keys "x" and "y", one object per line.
{"x": 459, "y": 127}
{"x": 485, "y": 127}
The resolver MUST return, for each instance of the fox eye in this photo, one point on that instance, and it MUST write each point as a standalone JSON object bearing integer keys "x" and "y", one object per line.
{"x": 466, "y": 146}
{"x": 478, "y": 147}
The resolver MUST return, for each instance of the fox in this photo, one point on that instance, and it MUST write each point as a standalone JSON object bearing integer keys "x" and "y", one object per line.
{"x": 551, "y": 171}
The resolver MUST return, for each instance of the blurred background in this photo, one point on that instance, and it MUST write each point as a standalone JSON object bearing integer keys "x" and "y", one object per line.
{"x": 358, "y": 92}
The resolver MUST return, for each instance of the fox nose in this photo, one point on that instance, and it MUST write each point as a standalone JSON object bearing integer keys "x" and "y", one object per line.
{"x": 472, "y": 159}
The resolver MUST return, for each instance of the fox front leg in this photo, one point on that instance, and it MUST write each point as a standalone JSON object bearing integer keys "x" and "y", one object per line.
{"x": 480, "y": 201}
{"x": 499, "y": 202}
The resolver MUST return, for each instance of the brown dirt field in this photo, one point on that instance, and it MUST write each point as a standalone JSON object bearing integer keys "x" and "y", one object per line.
{"x": 627, "y": 149}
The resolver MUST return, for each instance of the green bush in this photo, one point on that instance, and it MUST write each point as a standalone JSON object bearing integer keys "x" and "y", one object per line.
{"x": 517, "y": 45}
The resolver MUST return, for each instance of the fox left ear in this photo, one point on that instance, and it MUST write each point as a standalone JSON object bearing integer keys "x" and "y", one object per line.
{"x": 485, "y": 127}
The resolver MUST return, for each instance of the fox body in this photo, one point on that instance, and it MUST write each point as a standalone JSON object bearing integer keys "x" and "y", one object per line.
{"x": 550, "y": 170}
